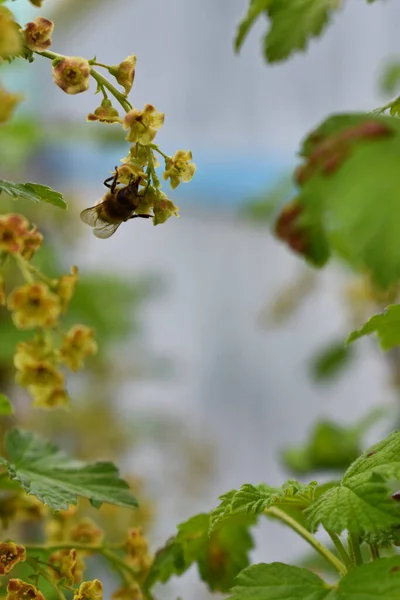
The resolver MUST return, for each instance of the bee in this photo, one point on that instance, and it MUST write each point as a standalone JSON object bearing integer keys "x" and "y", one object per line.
{"x": 117, "y": 206}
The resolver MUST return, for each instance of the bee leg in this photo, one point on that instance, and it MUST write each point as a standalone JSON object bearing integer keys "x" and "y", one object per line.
{"x": 114, "y": 179}
{"x": 141, "y": 217}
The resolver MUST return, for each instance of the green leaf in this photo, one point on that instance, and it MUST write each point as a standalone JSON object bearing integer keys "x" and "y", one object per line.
{"x": 293, "y": 24}
{"x": 278, "y": 581}
{"x": 362, "y": 502}
{"x": 219, "y": 556}
{"x": 6, "y": 407}
{"x": 33, "y": 191}
{"x": 331, "y": 361}
{"x": 255, "y": 9}
{"x": 378, "y": 580}
{"x": 253, "y": 500}
{"x": 351, "y": 162}
{"x": 57, "y": 480}
{"x": 386, "y": 325}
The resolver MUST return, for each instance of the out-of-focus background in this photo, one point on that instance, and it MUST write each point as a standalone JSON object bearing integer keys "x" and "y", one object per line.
{"x": 210, "y": 381}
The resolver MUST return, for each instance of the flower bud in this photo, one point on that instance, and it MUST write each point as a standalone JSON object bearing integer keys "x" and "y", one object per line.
{"x": 66, "y": 288}
{"x": 143, "y": 124}
{"x": 37, "y": 3}
{"x": 124, "y": 73}
{"x": 67, "y": 565}
{"x": 37, "y": 34}
{"x": 8, "y": 103}
{"x": 10, "y": 37}
{"x": 71, "y": 74}
{"x": 105, "y": 113}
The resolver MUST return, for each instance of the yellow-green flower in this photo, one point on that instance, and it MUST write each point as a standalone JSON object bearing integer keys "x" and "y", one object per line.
{"x": 10, "y": 38}
{"x": 71, "y": 74}
{"x": 17, "y": 238}
{"x": 77, "y": 345}
{"x": 8, "y": 102}
{"x": 66, "y": 288}
{"x": 164, "y": 209}
{"x": 34, "y": 305}
{"x": 137, "y": 549}
{"x": 49, "y": 398}
{"x": 143, "y": 124}
{"x": 90, "y": 590}
{"x": 179, "y": 168}
{"x": 37, "y": 34}
{"x": 38, "y": 374}
{"x": 10, "y": 555}
{"x": 86, "y": 532}
{"x": 124, "y": 73}
{"x": 105, "y": 113}
{"x": 132, "y": 592}
{"x": 19, "y": 590}
{"x": 66, "y": 564}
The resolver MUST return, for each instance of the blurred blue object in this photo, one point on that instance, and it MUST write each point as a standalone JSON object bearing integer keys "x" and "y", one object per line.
{"x": 222, "y": 180}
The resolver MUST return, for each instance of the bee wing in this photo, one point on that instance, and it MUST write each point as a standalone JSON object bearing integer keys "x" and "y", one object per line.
{"x": 105, "y": 231}
{"x": 90, "y": 216}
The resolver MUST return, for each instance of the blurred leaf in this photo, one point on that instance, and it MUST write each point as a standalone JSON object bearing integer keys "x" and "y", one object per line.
{"x": 330, "y": 446}
{"x": 362, "y": 502}
{"x": 219, "y": 556}
{"x": 6, "y": 407}
{"x": 263, "y": 208}
{"x": 256, "y": 7}
{"x": 108, "y": 304}
{"x": 348, "y": 169}
{"x": 386, "y": 325}
{"x": 57, "y": 480}
{"x": 331, "y": 361}
{"x": 390, "y": 80}
{"x": 293, "y": 24}
{"x": 33, "y": 191}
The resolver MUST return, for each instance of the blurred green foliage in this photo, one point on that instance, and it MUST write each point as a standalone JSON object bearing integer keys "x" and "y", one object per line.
{"x": 331, "y": 361}
{"x": 329, "y": 446}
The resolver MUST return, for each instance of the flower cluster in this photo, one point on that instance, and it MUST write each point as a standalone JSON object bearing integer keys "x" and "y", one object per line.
{"x": 10, "y": 46}
{"x": 38, "y": 305}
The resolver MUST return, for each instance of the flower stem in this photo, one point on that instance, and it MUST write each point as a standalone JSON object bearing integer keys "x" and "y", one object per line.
{"x": 308, "y": 537}
{"x": 354, "y": 548}
{"x": 157, "y": 149}
{"x": 374, "y": 551}
{"x": 152, "y": 169}
{"x": 101, "y": 80}
{"x": 344, "y": 555}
